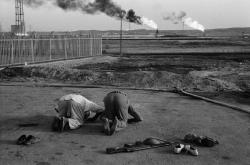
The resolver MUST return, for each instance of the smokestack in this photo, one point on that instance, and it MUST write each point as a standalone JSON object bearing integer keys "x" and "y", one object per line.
{"x": 156, "y": 33}
{"x": 204, "y": 33}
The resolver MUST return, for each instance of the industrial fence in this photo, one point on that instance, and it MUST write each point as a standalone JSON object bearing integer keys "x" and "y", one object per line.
{"x": 21, "y": 51}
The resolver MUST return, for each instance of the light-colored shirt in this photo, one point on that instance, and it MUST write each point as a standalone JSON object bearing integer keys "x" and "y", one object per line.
{"x": 76, "y": 109}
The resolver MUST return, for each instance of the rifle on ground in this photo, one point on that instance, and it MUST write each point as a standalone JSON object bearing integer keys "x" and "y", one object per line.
{"x": 145, "y": 145}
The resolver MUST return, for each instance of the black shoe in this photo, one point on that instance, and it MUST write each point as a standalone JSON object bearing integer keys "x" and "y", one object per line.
{"x": 208, "y": 142}
{"x": 21, "y": 140}
{"x": 31, "y": 140}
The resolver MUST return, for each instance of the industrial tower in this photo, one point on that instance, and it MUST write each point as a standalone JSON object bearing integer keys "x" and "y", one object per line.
{"x": 19, "y": 27}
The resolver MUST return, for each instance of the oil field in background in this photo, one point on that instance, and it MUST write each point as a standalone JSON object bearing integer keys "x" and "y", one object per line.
{"x": 38, "y": 67}
{"x": 214, "y": 61}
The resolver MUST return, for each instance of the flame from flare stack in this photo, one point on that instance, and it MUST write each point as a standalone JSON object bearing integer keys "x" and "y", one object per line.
{"x": 193, "y": 24}
{"x": 149, "y": 23}
{"x": 180, "y": 17}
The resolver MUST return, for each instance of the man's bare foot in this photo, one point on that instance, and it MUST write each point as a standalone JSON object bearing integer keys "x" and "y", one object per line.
{"x": 106, "y": 126}
{"x": 114, "y": 126}
{"x": 62, "y": 123}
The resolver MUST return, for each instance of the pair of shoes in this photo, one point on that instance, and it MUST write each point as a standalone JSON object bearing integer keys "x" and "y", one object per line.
{"x": 200, "y": 140}
{"x": 187, "y": 148}
{"x": 27, "y": 140}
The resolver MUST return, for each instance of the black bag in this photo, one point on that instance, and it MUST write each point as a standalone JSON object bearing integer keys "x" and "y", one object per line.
{"x": 208, "y": 142}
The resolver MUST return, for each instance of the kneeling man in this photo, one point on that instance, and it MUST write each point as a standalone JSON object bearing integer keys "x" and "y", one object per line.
{"x": 73, "y": 110}
{"x": 117, "y": 111}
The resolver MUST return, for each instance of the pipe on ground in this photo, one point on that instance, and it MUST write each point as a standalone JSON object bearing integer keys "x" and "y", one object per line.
{"x": 214, "y": 101}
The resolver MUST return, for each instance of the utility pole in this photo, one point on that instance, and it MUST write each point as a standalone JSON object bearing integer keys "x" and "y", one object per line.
{"x": 30, "y": 28}
{"x": 122, "y": 14}
{"x": 121, "y": 38}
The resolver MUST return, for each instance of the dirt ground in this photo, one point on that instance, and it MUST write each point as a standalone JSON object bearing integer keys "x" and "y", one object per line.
{"x": 204, "y": 73}
{"x": 166, "y": 115}
{"x": 217, "y": 68}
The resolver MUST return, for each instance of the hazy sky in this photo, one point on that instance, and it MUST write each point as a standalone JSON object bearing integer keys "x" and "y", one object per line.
{"x": 210, "y": 13}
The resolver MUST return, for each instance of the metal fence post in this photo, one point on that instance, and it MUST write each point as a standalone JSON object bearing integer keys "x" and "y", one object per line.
{"x": 12, "y": 52}
{"x": 79, "y": 47}
{"x": 32, "y": 51}
{"x": 101, "y": 46}
{"x": 65, "y": 48}
{"x": 50, "y": 57}
{"x": 91, "y": 46}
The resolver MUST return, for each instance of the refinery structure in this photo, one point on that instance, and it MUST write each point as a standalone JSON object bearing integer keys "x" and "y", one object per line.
{"x": 19, "y": 27}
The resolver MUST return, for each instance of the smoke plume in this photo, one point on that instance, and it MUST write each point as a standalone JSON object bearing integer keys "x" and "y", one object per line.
{"x": 180, "y": 17}
{"x": 131, "y": 17}
{"x": 175, "y": 17}
{"x": 107, "y": 7}
{"x": 35, "y": 3}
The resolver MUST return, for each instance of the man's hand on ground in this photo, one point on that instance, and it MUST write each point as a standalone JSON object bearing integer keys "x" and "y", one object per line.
{"x": 93, "y": 119}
